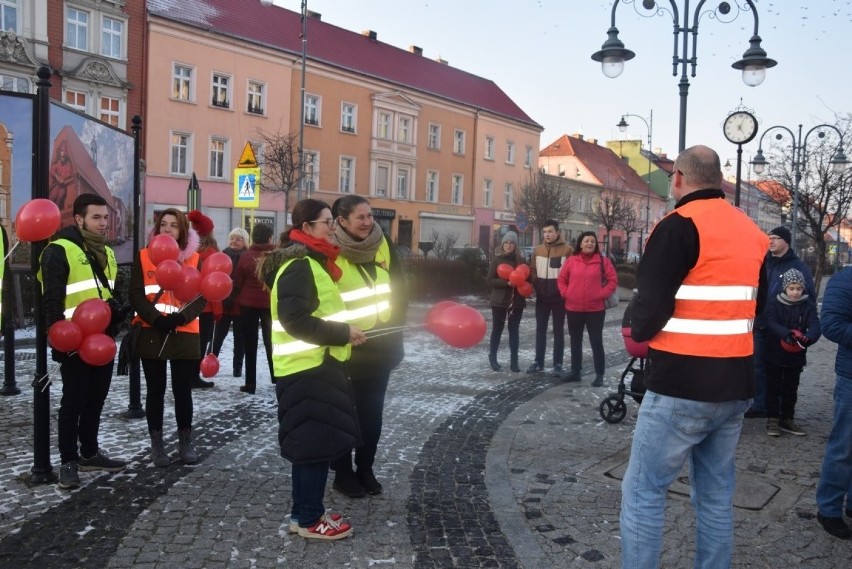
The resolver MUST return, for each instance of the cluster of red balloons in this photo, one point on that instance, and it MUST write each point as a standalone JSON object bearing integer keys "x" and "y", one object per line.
{"x": 186, "y": 282}
{"x": 456, "y": 324}
{"x": 37, "y": 220}
{"x": 85, "y": 333}
{"x": 517, "y": 277}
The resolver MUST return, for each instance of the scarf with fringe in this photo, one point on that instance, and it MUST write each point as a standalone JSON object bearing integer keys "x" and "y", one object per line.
{"x": 359, "y": 251}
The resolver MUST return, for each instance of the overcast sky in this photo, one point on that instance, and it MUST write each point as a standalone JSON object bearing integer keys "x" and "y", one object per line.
{"x": 538, "y": 52}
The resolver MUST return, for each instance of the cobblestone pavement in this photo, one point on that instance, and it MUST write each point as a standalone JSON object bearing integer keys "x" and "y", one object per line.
{"x": 480, "y": 469}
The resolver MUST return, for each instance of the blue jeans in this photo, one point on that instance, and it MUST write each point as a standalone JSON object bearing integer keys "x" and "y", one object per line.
{"x": 670, "y": 430}
{"x": 308, "y": 489}
{"x": 835, "y": 482}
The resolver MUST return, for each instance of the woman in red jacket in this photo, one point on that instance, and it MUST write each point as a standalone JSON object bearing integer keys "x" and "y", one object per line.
{"x": 587, "y": 278}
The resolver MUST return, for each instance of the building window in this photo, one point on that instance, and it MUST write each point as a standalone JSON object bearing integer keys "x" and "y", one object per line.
{"x": 311, "y": 171}
{"x": 9, "y": 16}
{"x": 403, "y": 133}
{"x": 348, "y": 117}
{"x": 432, "y": 186}
{"x": 487, "y": 192}
{"x": 347, "y": 172}
{"x": 221, "y": 91}
{"x": 528, "y": 157}
{"x": 255, "y": 97}
{"x": 218, "y": 152}
{"x": 182, "y": 83}
{"x": 402, "y": 176}
{"x": 16, "y": 84}
{"x": 384, "y": 127}
{"x": 509, "y": 197}
{"x": 510, "y": 153}
{"x": 77, "y": 30}
{"x": 489, "y": 148}
{"x": 110, "y": 110}
{"x": 458, "y": 142}
{"x": 434, "y": 142}
{"x": 75, "y": 100}
{"x": 180, "y": 154}
{"x": 382, "y": 179}
{"x": 458, "y": 188}
{"x": 112, "y": 37}
{"x": 312, "y": 110}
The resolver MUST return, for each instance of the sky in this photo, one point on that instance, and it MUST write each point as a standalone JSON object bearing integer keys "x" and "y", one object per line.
{"x": 539, "y": 53}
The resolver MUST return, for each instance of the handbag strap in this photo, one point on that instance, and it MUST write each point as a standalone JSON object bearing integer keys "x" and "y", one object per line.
{"x": 603, "y": 275}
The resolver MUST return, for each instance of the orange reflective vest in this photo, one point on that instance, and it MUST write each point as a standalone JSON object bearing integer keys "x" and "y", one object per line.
{"x": 166, "y": 303}
{"x": 715, "y": 305}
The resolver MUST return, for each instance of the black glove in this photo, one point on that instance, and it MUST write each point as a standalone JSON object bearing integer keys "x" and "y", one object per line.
{"x": 118, "y": 314}
{"x": 168, "y": 323}
{"x": 59, "y": 357}
{"x": 790, "y": 339}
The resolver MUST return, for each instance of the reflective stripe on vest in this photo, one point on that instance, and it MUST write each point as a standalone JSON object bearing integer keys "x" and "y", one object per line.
{"x": 715, "y": 305}
{"x": 82, "y": 283}
{"x": 290, "y": 355}
{"x": 167, "y": 303}
{"x": 367, "y": 299}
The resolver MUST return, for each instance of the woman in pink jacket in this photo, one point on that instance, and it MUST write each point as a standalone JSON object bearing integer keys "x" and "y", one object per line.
{"x": 587, "y": 278}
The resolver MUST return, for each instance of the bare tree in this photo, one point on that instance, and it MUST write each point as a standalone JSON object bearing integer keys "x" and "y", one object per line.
{"x": 609, "y": 212}
{"x": 280, "y": 169}
{"x": 443, "y": 243}
{"x": 543, "y": 198}
{"x": 825, "y": 195}
{"x": 631, "y": 223}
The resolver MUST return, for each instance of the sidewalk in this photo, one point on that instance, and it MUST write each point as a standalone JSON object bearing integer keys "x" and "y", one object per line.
{"x": 480, "y": 469}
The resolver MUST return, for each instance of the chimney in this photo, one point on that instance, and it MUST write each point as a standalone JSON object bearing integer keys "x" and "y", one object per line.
{"x": 577, "y": 135}
{"x": 370, "y": 34}
{"x": 442, "y": 61}
{"x": 593, "y": 140}
{"x": 415, "y": 50}
{"x": 314, "y": 15}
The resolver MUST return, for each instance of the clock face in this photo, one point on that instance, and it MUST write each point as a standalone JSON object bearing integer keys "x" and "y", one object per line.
{"x": 740, "y": 127}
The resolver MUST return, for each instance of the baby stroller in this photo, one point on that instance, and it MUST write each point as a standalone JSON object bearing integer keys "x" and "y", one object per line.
{"x": 613, "y": 409}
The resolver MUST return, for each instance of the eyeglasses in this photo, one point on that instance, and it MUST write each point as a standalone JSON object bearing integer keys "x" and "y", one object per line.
{"x": 329, "y": 221}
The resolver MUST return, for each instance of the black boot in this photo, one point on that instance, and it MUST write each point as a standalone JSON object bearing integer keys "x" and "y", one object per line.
{"x": 347, "y": 483}
{"x": 492, "y": 359}
{"x": 368, "y": 481}
{"x": 514, "y": 363}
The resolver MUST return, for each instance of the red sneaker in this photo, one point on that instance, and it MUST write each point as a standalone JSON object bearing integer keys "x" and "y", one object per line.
{"x": 294, "y": 524}
{"x": 326, "y": 528}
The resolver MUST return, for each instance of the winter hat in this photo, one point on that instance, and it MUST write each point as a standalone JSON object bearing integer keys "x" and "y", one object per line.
{"x": 510, "y": 236}
{"x": 783, "y": 233}
{"x": 202, "y": 224}
{"x": 792, "y": 276}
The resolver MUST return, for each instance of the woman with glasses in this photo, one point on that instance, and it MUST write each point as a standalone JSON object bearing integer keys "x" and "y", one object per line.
{"x": 317, "y": 422}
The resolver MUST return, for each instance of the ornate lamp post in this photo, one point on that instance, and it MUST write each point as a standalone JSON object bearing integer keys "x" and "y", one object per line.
{"x": 838, "y": 161}
{"x": 304, "y": 11}
{"x": 649, "y": 124}
{"x": 754, "y": 63}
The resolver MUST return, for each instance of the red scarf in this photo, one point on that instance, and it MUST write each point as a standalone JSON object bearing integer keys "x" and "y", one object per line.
{"x": 322, "y": 247}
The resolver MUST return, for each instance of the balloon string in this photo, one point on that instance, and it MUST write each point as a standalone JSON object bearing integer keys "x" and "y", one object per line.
{"x": 390, "y": 330}
{"x": 50, "y": 371}
{"x": 10, "y": 250}
{"x": 163, "y": 347}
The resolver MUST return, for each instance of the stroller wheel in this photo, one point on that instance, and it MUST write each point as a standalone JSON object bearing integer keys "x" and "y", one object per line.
{"x": 613, "y": 409}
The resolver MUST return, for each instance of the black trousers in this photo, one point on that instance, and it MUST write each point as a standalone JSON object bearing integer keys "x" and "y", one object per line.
{"x": 499, "y": 315}
{"x": 249, "y": 319}
{"x": 155, "y": 383}
{"x": 781, "y": 383}
{"x": 543, "y": 313}
{"x": 593, "y": 322}
{"x": 221, "y": 332}
{"x": 369, "y": 387}
{"x": 84, "y": 390}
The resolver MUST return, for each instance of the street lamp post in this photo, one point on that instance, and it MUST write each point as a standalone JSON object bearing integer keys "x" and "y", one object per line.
{"x": 304, "y": 35}
{"x": 754, "y": 63}
{"x": 838, "y": 161}
{"x": 649, "y": 124}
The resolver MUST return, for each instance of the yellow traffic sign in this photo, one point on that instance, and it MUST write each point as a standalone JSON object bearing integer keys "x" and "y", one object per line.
{"x": 247, "y": 187}
{"x": 247, "y": 158}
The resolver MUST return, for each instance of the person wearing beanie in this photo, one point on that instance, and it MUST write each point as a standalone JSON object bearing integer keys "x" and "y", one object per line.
{"x": 778, "y": 260}
{"x": 792, "y": 325}
{"x": 212, "y": 312}
{"x": 506, "y": 302}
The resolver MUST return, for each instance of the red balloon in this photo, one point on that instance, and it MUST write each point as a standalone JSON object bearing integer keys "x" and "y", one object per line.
{"x": 65, "y": 335}
{"x": 525, "y": 289}
{"x": 209, "y": 365}
{"x": 163, "y": 247}
{"x": 168, "y": 274}
{"x": 433, "y": 312}
{"x": 796, "y": 346}
{"x": 523, "y": 269}
{"x": 37, "y": 219}
{"x": 516, "y": 278}
{"x": 217, "y": 262}
{"x": 191, "y": 285}
{"x": 460, "y": 326}
{"x": 216, "y": 287}
{"x": 97, "y": 349}
{"x": 504, "y": 270}
{"x": 92, "y": 316}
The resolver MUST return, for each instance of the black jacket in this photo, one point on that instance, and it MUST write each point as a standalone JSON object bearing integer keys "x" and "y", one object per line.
{"x": 772, "y": 270}
{"x": 781, "y": 317}
{"x": 500, "y": 293}
{"x": 54, "y": 274}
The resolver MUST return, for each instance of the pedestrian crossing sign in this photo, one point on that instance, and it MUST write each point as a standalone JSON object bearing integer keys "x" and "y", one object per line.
{"x": 247, "y": 187}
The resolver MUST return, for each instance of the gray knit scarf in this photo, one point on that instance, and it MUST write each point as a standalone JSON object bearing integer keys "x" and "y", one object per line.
{"x": 97, "y": 245}
{"x": 358, "y": 251}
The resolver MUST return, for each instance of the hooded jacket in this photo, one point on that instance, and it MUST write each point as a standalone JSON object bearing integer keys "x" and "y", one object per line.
{"x": 580, "y": 282}
{"x": 836, "y": 321}
{"x": 773, "y": 269}
{"x": 545, "y": 264}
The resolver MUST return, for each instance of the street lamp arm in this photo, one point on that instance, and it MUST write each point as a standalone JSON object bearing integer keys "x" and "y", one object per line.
{"x": 822, "y": 126}
{"x": 753, "y": 10}
{"x": 771, "y": 128}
